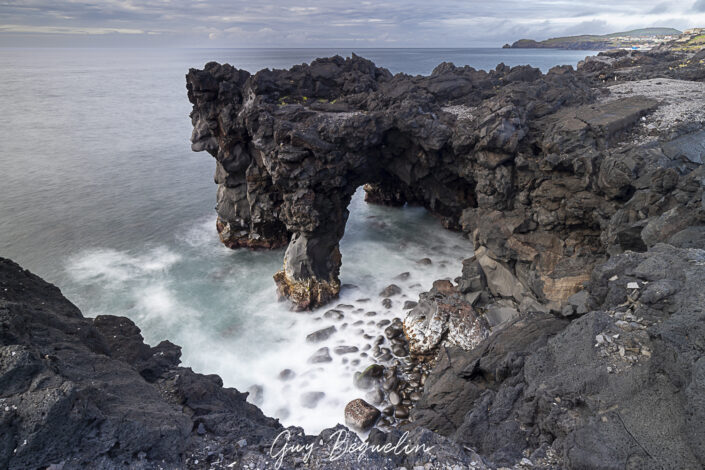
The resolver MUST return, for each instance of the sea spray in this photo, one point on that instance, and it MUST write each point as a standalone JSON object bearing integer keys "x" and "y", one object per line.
{"x": 220, "y": 305}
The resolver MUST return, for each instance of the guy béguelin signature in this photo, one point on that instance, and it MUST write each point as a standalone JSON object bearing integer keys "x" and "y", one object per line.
{"x": 343, "y": 444}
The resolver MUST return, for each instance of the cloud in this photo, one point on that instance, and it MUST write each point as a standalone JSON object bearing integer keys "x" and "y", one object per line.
{"x": 661, "y": 8}
{"x": 16, "y": 28}
{"x": 298, "y": 23}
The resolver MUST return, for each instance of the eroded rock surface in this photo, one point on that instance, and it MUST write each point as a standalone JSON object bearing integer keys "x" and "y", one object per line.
{"x": 541, "y": 170}
{"x": 620, "y": 387}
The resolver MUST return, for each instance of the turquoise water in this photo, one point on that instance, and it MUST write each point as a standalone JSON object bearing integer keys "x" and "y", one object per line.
{"x": 101, "y": 195}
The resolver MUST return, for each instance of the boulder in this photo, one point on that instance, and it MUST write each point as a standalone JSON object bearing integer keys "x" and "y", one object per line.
{"x": 360, "y": 415}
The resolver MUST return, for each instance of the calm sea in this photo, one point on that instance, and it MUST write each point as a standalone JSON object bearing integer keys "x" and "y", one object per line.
{"x": 101, "y": 195}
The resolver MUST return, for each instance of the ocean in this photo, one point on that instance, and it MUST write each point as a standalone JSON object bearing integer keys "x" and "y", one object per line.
{"x": 101, "y": 195}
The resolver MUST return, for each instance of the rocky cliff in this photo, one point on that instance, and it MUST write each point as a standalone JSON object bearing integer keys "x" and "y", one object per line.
{"x": 538, "y": 169}
{"x": 573, "y": 337}
{"x": 551, "y": 175}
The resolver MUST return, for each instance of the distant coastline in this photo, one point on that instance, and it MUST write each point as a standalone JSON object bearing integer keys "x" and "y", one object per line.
{"x": 639, "y": 39}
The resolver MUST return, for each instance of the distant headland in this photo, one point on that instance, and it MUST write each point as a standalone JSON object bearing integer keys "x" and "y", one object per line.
{"x": 638, "y": 39}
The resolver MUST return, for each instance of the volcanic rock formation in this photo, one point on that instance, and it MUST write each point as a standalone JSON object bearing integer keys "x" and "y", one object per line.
{"x": 562, "y": 180}
{"x": 532, "y": 166}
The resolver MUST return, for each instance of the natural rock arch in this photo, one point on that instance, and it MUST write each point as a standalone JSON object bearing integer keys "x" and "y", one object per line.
{"x": 511, "y": 155}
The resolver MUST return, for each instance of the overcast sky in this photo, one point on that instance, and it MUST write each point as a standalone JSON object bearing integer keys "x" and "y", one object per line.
{"x": 330, "y": 23}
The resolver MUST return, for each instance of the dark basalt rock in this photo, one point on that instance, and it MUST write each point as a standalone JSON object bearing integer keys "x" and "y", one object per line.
{"x": 558, "y": 189}
{"x": 293, "y": 146}
{"x": 619, "y": 386}
{"x": 82, "y": 393}
{"x": 360, "y": 415}
{"x": 538, "y": 169}
{"x": 88, "y": 392}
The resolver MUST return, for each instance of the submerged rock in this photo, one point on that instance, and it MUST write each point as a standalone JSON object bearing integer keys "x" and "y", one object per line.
{"x": 345, "y": 349}
{"x": 256, "y": 393}
{"x": 321, "y": 335}
{"x": 369, "y": 376}
{"x": 390, "y": 291}
{"x": 322, "y": 355}
{"x": 311, "y": 399}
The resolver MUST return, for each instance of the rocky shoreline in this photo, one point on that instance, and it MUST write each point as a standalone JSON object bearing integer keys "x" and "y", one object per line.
{"x": 573, "y": 337}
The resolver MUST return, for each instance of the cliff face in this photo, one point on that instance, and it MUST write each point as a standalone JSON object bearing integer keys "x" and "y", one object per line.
{"x": 293, "y": 146}
{"x": 88, "y": 393}
{"x": 534, "y": 167}
{"x": 550, "y": 175}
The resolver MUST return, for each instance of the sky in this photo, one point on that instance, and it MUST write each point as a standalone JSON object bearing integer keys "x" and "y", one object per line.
{"x": 327, "y": 23}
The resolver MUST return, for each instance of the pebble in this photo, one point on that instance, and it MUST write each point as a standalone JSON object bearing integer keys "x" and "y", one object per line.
{"x": 403, "y": 276}
{"x": 425, "y": 261}
{"x": 340, "y": 350}
{"x": 287, "y": 374}
{"x": 387, "y": 303}
{"x": 334, "y": 315}
{"x": 401, "y": 412}
{"x": 409, "y": 304}
{"x": 394, "y": 398}
{"x": 322, "y": 355}
{"x": 390, "y": 291}
{"x": 390, "y": 384}
{"x": 399, "y": 350}
{"x": 321, "y": 335}
{"x": 392, "y": 331}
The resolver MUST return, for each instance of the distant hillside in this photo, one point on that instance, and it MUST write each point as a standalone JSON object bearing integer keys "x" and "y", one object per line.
{"x": 648, "y": 36}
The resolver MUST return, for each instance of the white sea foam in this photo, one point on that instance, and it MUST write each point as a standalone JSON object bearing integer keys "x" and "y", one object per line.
{"x": 220, "y": 305}
{"x": 116, "y": 266}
